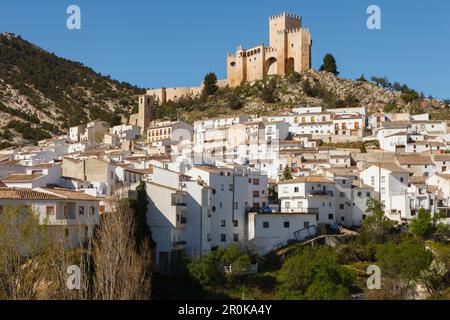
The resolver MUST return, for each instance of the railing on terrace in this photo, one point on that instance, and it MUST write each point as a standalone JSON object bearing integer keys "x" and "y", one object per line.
{"x": 300, "y": 210}
{"x": 321, "y": 193}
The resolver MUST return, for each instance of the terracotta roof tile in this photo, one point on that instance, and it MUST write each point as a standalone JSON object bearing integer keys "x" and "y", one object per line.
{"x": 22, "y": 178}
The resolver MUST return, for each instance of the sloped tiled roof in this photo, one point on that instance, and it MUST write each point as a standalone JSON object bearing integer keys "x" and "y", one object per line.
{"x": 22, "y": 178}
{"x": 25, "y": 194}
{"x": 418, "y": 160}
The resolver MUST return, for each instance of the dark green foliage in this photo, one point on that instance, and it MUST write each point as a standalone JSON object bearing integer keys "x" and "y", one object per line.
{"x": 210, "y": 85}
{"x": 235, "y": 102}
{"x": 294, "y": 78}
{"x": 287, "y": 174}
{"x": 408, "y": 95}
{"x": 314, "y": 274}
{"x": 382, "y": 82}
{"x": 27, "y": 131}
{"x": 397, "y": 86}
{"x": 402, "y": 264}
{"x": 329, "y": 64}
{"x": 23, "y": 115}
{"x": 268, "y": 93}
{"x": 377, "y": 227}
{"x": 208, "y": 271}
{"x": 139, "y": 207}
{"x": 362, "y": 78}
{"x": 422, "y": 225}
{"x": 390, "y": 108}
{"x": 35, "y": 72}
{"x": 4, "y": 145}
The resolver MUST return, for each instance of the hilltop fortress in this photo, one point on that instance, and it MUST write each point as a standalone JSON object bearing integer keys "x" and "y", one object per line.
{"x": 289, "y": 50}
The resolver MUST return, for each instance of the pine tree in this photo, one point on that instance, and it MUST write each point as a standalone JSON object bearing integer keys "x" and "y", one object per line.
{"x": 329, "y": 64}
{"x": 210, "y": 85}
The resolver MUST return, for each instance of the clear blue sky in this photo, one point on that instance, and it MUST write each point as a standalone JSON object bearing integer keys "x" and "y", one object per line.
{"x": 174, "y": 43}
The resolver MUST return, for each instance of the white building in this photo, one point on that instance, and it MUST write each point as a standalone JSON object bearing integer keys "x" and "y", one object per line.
{"x": 391, "y": 183}
{"x": 234, "y": 191}
{"x": 311, "y": 195}
{"x": 74, "y": 212}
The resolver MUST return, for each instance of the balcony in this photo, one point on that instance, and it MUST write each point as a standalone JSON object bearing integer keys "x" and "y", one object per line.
{"x": 300, "y": 210}
{"x": 179, "y": 204}
{"x": 179, "y": 245}
{"x": 321, "y": 193}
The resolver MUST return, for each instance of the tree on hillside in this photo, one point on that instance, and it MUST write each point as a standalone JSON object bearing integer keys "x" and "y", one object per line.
{"x": 422, "y": 225}
{"x": 362, "y": 78}
{"x": 268, "y": 92}
{"x": 397, "y": 86}
{"x": 314, "y": 274}
{"x": 402, "y": 266}
{"x": 208, "y": 271}
{"x": 234, "y": 101}
{"x": 210, "y": 85}
{"x": 329, "y": 64}
{"x": 376, "y": 227}
{"x": 382, "y": 82}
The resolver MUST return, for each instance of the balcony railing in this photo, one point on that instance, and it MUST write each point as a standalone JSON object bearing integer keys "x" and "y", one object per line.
{"x": 300, "y": 210}
{"x": 321, "y": 193}
{"x": 179, "y": 244}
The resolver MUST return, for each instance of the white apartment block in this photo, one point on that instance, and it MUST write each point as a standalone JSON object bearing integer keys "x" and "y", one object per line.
{"x": 234, "y": 191}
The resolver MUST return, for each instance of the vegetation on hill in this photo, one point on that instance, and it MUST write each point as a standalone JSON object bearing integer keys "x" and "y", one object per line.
{"x": 39, "y": 88}
{"x": 414, "y": 263}
{"x": 49, "y": 94}
{"x": 277, "y": 94}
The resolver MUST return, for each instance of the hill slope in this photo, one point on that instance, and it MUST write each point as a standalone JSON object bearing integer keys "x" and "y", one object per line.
{"x": 313, "y": 88}
{"x": 41, "y": 93}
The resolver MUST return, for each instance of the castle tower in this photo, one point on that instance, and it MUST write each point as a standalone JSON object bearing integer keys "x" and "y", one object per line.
{"x": 146, "y": 111}
{"x": 282, "y": 22}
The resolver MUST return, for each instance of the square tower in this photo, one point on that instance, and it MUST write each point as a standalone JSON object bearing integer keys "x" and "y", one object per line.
{"x": 146, "y": 111}
{"x": 282, "y": 22}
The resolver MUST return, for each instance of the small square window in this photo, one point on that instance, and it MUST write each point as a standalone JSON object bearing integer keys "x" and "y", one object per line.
{"x": 50, "y": 211}
{"x": 286, "y": 224}
{"x": 266, "y": 225}
{"x": 331, "y": 216}
{"x": 235, "y": 237}
{"x": 223, "y": 237}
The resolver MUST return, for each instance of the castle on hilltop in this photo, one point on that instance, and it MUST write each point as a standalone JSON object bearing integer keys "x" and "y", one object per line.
{"x": 289, "y": 50}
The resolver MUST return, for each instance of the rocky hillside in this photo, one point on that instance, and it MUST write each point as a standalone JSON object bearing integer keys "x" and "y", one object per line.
{"x": 313, "y": 88}
{"x": 41, "y": 93}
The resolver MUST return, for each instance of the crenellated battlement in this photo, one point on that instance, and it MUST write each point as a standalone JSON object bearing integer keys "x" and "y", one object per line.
{"x": 285, "y": 14}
